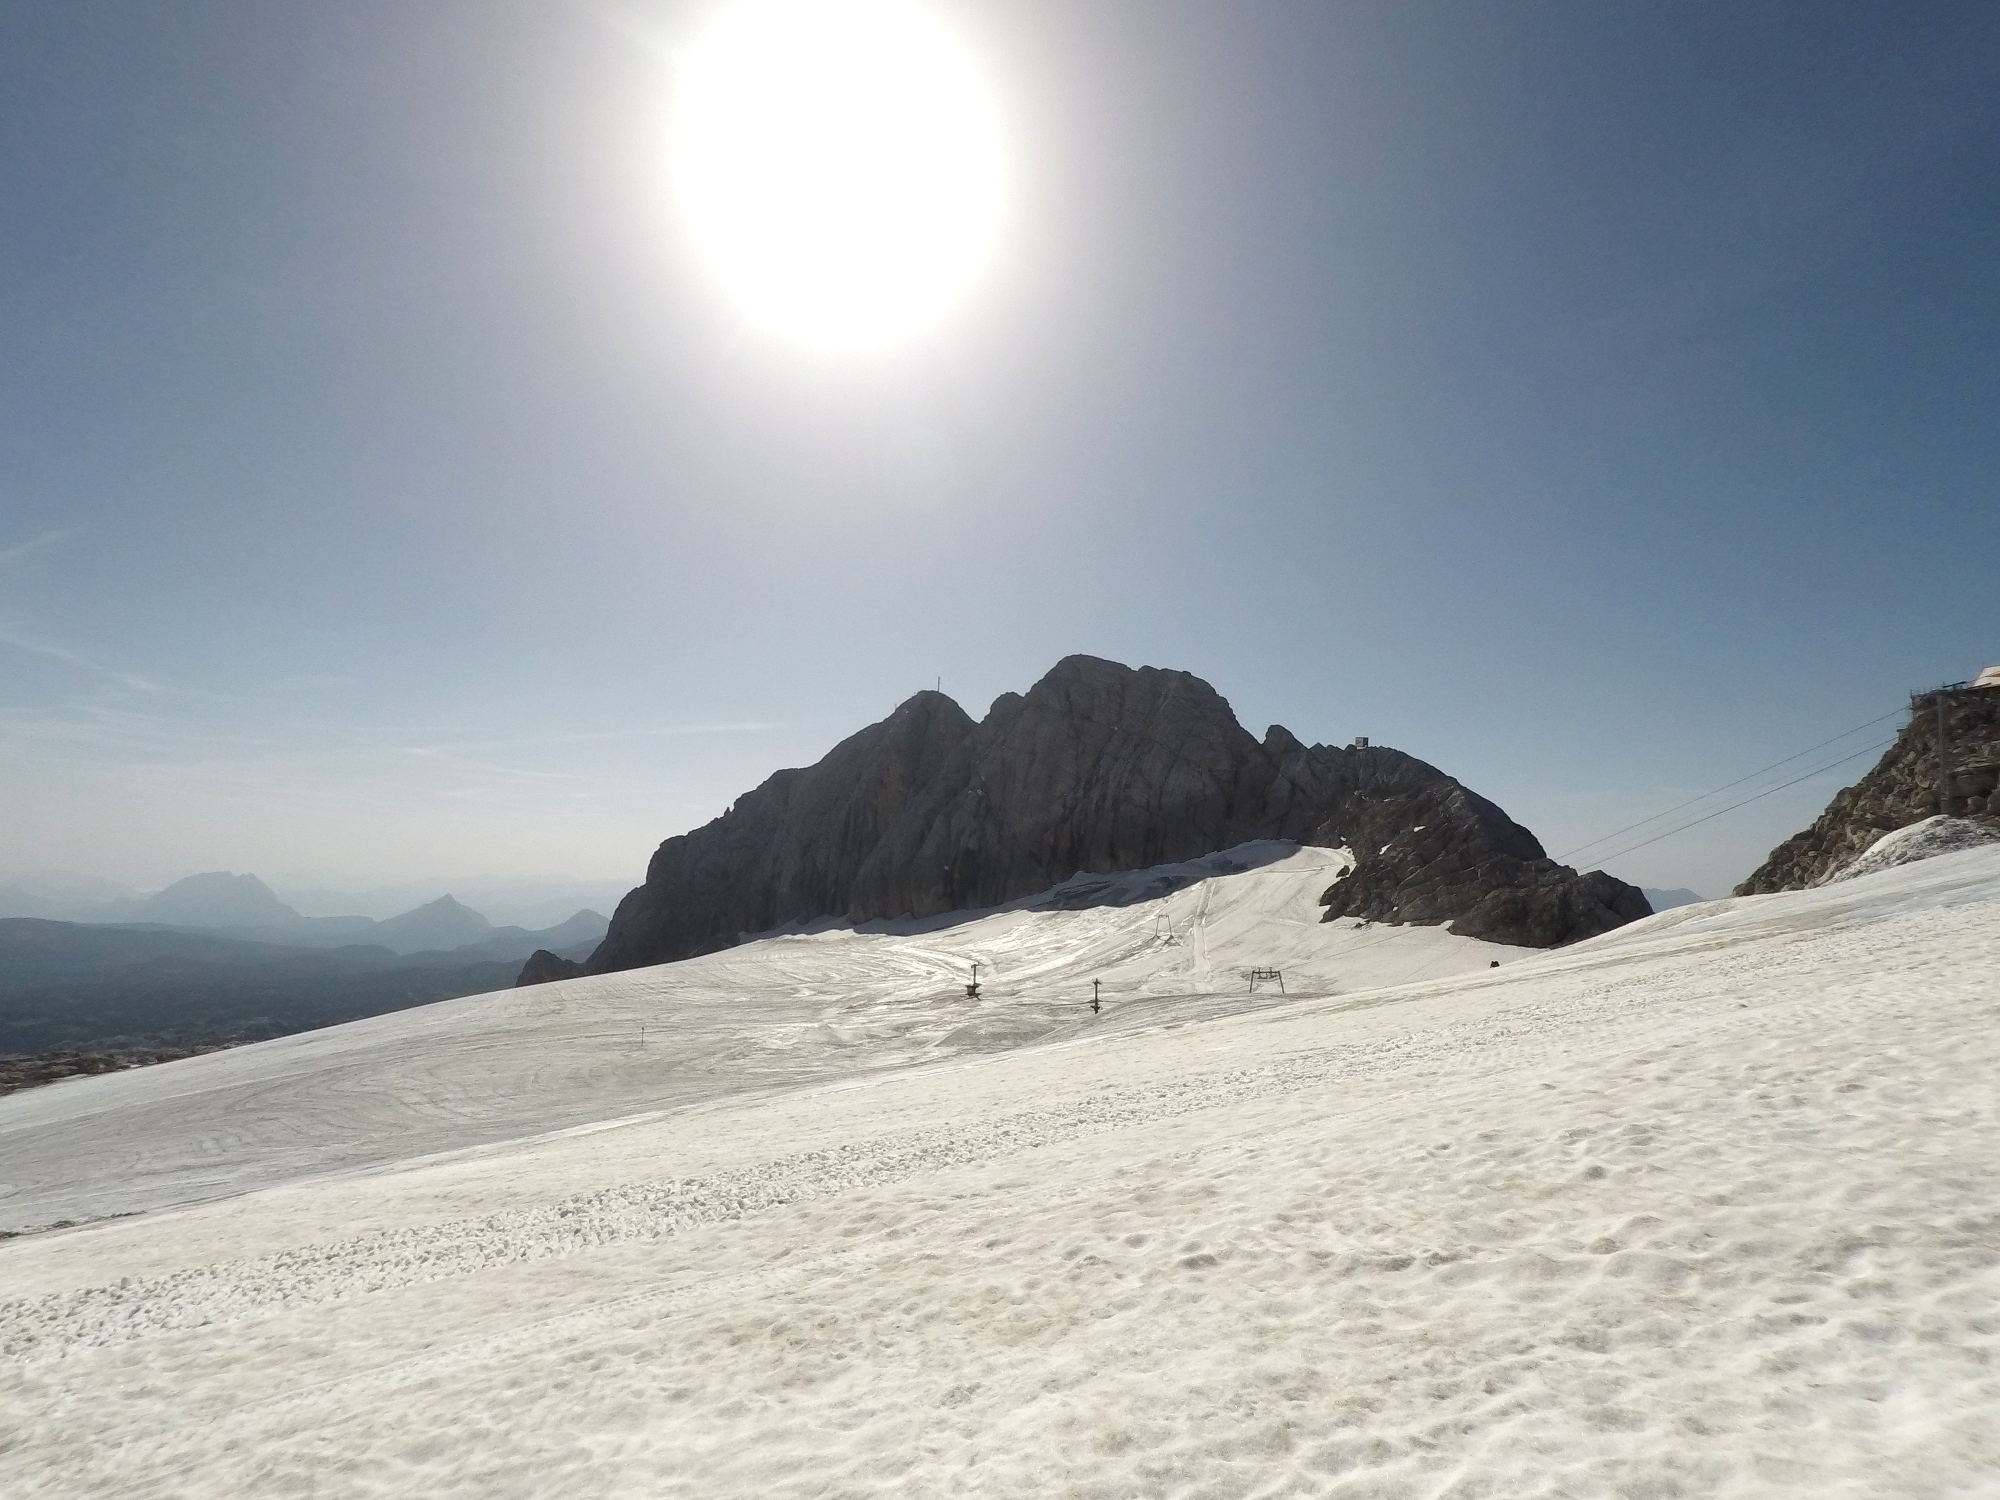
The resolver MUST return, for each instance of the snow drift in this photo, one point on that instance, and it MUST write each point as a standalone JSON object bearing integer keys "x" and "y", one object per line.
{"x": 1924, "y": 840}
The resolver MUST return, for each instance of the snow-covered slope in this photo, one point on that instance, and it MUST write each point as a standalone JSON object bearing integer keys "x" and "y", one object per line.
{"x": 1701, "y": 1207}
{"x": 787, "y": 1010}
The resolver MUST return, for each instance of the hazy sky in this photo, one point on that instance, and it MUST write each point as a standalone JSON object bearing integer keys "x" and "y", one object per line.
{"x": 1597, "y": 401}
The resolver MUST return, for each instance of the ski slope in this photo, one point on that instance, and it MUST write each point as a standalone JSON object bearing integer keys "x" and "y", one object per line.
{"x": 799, "y": 1006}
{"x": 1705, "y": 1206}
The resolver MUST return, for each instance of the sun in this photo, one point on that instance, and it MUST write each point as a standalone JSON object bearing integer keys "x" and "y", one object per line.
{"x": 839, "y": 165}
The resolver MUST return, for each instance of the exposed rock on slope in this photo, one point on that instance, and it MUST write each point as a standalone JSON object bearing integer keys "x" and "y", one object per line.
{"x": 1900, "y": 790}
{"x": 1484, "y": 893}
{"x": 1098, "y": 767}
{"x": 543, "y": 966}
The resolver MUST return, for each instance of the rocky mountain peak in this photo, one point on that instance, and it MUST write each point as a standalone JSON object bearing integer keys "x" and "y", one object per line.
{"x": 1098, "y": 767}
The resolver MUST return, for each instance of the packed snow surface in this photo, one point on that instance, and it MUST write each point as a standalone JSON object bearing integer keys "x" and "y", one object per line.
{"x": 1703, "y": 1207}
{"x": 1168, "y": 945}
{"x": 1906, "y": 845}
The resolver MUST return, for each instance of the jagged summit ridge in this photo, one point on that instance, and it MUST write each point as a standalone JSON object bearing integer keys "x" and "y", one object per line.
{"x": 1098, "y": 767}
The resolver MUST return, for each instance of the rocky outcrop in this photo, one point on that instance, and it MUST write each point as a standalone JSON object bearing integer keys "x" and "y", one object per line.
{"x": 543, "y": 967}
{"x": 1458, "y": 859}
{"x": 795, "y": 848}
{"x": 1097, "y": 768}
{"x": 1901, "y": 789}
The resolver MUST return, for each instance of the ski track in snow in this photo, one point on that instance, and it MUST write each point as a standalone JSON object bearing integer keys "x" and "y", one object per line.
{"x": 1706, "y": 1207}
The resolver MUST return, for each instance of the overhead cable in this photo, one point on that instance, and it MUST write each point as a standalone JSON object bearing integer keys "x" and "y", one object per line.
{"x": 1607, "y": 838}
{"x": 1864, "y": 750}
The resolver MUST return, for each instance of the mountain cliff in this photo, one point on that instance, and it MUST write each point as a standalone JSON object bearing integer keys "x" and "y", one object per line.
{"x": 1098, "y": 767}
{"x": 1900, "y": 789}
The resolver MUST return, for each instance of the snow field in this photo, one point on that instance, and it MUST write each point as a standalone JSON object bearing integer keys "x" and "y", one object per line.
{"x": 1705, "y": 1207}
{"x": 788, "y": 1010}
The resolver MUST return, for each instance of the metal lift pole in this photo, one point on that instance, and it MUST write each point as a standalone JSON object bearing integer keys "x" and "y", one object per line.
{"x": 1944, "y": 755}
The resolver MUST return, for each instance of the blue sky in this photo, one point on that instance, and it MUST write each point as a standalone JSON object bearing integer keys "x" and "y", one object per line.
{"x": 1595, "y": 401}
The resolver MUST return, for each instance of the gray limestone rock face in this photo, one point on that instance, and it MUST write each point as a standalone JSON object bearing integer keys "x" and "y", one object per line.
{"x": 1438, "y": 853}
{"x": 1096, "y": 768}
{"x": 1900, "y": 789}
{"x": 791, "y": 849}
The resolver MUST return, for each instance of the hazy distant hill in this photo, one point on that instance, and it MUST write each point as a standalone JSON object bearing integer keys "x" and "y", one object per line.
{"x": 220, "y": 898}
{"x": 1667, "y": 900}
{"x": 103, "y": 986}
{"x": 55, "y": 893}
{"x": 577, "y": 937}
{"x": 531, "y": 903}
{"x": 443, "y": 923}
{"x": 581, "y": 932}
{"x": 67, "y": 984}
{"x": 528, "y": 901}
{"x": 243, "y": 907}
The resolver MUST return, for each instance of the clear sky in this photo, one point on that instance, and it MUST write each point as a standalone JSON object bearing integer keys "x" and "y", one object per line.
{"x": 1597, "y": 401}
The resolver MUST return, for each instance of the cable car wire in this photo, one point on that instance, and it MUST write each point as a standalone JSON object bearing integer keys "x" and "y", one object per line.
{"x": 1864, "y": 750}
{"x": 1607, "y": 838}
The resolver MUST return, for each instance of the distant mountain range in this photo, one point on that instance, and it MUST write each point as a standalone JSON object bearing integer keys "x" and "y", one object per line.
{"x": 527, "y": 901}
{"x": 229, "y": 905}
{"x": 530, "y": 901}
{"x": 68, "y": 985}
{"x": 218, "y": 899}
{"x": 219, "y": 958}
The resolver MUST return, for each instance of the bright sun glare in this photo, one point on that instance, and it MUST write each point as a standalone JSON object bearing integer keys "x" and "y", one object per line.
{"x": 839, "y": 163}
